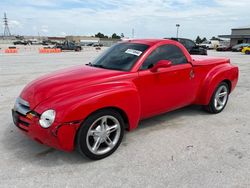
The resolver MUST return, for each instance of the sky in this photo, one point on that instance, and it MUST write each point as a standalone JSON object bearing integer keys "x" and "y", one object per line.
{"x": 149, "y": 18}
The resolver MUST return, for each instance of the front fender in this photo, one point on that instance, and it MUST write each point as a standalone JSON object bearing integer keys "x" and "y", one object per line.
{"x": 78, "y": 105}
{"x": 123, "y": 96}
{"x": 223, "y": 72}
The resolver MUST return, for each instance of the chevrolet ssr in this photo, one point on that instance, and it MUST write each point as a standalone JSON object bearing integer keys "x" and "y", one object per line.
{"x": 88, "y": 107}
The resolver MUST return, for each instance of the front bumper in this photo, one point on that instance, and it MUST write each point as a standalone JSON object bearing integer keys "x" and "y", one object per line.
{"x": 60, "y": 135}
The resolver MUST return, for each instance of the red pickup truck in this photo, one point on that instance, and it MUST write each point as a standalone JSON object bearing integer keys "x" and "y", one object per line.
{"x": 90, "y": 106}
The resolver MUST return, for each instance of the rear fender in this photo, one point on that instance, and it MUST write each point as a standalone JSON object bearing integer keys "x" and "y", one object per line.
{"x": 224, "y": 72}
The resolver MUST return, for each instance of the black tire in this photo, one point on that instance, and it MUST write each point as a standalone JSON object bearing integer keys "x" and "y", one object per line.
{"x": 211, "y": 107}
{"x": 247, "y": 52}
{"x": 81, "y": 140}
{"x": 78, "y": 49}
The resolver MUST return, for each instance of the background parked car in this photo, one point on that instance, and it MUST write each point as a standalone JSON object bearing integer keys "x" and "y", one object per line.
{"x": 223, "y": 48}
{"x": 45, "y": 42}
{"x": 34, "y": 42}
{"x": 21, "y": 42}
{"x": 190, "y": 45}
{"x": 239, "y": 47}
{"x": 67, "y": 45}
{"x": 210, "y": 44}
{"x": 246, "y": 50}
{"x": 98, "y": 45}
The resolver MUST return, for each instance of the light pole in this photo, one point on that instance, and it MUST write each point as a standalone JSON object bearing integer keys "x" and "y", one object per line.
{"x": 177, "y": 32}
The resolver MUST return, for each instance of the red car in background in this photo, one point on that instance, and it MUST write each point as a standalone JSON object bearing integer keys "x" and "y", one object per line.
{"x": 90, "y": 106}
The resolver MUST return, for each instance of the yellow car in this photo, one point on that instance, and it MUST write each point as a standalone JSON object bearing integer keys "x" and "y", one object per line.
{"x": 246, "y": 50}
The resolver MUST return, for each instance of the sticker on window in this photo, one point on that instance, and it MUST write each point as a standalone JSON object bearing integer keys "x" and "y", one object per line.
{"x": 133, "y": 52}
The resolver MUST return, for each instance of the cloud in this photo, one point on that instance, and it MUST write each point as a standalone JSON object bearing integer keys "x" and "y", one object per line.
{"x": 15, "y": 24}
{"x": 45, "y": 29}
{"x": 63, "y": 34}
{"x": 231, "y": 3}
{"x": 149, "y": 18}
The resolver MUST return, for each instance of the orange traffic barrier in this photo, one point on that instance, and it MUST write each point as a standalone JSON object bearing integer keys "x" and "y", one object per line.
{"x": 49, "y": 50}
{"x": 8, "y": 50}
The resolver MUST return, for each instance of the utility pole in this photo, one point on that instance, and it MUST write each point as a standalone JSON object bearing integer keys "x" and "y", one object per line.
{"x": 6, "y": 26}
{"x": 177, "y": 32}
{"x": 133, "y": 33}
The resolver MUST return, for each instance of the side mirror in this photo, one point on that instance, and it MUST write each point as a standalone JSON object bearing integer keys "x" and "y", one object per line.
{"x": 161, "y": 64}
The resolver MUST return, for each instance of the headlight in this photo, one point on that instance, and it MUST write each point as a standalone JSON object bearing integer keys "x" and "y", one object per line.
{"x": 47, "y": 118}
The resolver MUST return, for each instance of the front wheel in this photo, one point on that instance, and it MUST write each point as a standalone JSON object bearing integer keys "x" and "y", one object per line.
{"x": 247, "y": 52}
{"x": 219, "y": 99}
{"x": 101, "y": 134}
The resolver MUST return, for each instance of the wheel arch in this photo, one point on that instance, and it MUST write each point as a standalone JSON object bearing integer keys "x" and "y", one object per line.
{"x": 229, "y": 83}
{"x": 115, "y": 108}
{"x": 211, "y": 88}
{"x": 214, "y": 78}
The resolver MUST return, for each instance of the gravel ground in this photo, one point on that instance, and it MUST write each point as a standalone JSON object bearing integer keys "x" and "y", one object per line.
{"x": 184, "y": 148}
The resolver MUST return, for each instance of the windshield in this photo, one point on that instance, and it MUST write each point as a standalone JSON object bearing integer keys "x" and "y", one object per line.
{"x": 121, "y": 56}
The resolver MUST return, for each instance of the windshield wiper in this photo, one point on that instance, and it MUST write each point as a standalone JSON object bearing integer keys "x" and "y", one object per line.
{"x": 89, "y": 64}
{"x": 95, "y": 65}
{"x": 101, "y": 66}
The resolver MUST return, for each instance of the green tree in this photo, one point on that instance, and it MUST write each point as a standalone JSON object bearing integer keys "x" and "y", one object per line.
{"x": 198, "y": 40}
{"x": 204, "y": 39}
{"x": 122, "y": 35}
{"x": 101, "y": 35}
{"x": 115, "y": 36}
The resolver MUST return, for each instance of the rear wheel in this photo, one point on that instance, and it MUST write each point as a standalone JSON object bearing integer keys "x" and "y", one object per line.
{"x": 247, "y": 52}
{"x": 219, "y": 98}
{"x": 101, "y": 134}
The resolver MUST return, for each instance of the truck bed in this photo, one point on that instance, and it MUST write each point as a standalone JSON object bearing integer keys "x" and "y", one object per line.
{"x": 206, "y": 60}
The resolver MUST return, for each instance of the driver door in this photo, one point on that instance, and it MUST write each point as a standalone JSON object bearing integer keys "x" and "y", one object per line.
{"x": 71, "y": 46}
{"x": 168, "y": 88}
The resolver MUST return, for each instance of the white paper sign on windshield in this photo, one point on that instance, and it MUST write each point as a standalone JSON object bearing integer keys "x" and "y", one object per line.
{"x": 133, "y": 52}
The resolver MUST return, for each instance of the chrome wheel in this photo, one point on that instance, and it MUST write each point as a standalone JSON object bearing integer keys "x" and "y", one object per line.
{"x": 220, "y": 98}
{"x": 103, "y": 135}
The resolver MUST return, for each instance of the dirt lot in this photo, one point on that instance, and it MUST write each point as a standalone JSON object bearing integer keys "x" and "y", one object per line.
{"x": 184, "y": 148}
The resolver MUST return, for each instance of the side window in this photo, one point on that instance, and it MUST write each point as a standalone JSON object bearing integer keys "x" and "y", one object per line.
{"x": 166, "y": 52}
{"x": 184, "y": 43}
{"x": 190, "y": 44}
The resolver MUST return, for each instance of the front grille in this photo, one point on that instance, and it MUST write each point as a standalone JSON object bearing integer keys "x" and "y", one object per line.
{"x": 21, "y": 109}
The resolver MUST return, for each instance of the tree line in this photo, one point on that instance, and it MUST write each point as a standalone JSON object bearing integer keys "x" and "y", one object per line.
{"x": 113, "y": 36}
{"x": 198, "y": 40}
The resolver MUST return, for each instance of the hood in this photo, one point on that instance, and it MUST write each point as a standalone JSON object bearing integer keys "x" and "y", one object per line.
{"x": 64, "y": 81}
